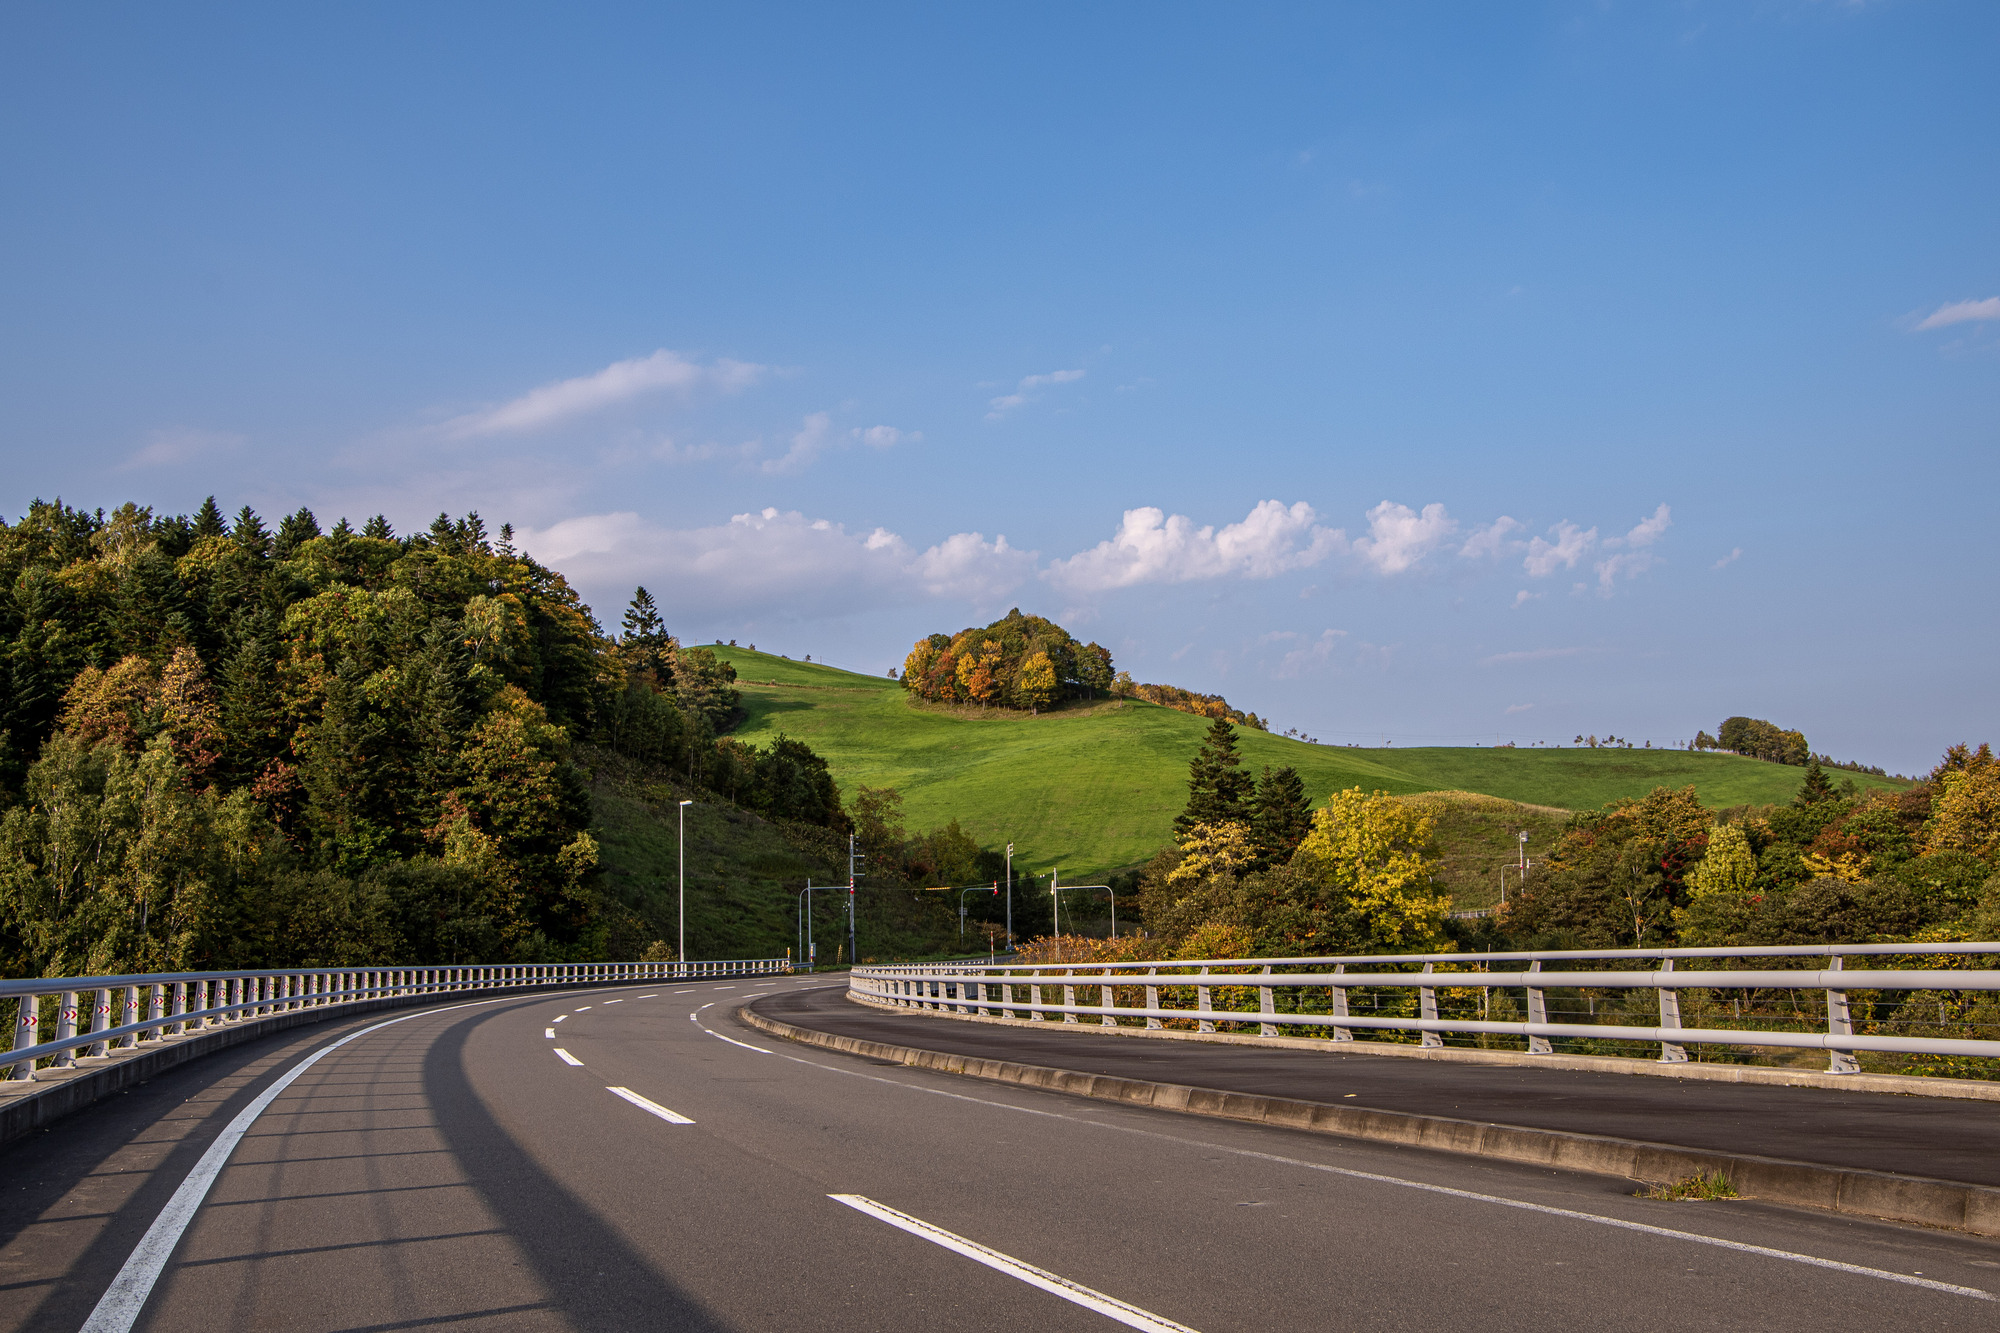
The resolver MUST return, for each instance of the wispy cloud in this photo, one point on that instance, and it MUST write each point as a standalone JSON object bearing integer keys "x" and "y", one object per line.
{"x": 1311, "y": 657}
{"x": 807, "y": 443}
{"x": 1492, "y": 541}
{"x": 1518, "y": 708}
{"x": 1960, "y": 312}
{"x": 1729, "y": 559}
{"x": 776, "y": 561}
{"x": 1025, "y": 391}
{"x": 1530, "y": 655}
{"x": 1633, "y": 556}
{"x": 620, "y": 382}
{"x": 169, "y": 448}
{"x": 1151, "y": 547}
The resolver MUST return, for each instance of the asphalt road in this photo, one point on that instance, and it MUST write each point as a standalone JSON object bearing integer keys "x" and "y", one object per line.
{"x": 451, "y": 1170}
{"x": 1914, "y": 1136}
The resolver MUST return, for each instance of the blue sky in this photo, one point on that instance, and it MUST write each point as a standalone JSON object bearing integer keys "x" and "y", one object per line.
{"x": 1439, "y": 373}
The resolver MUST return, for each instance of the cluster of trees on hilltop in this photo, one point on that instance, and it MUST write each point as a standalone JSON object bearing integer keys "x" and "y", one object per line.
{"x": 1759, "y": 740}
{"x": 222, "y": 745}
{"x": 1187, "y": 701}
{"x": 1019, "y": 661}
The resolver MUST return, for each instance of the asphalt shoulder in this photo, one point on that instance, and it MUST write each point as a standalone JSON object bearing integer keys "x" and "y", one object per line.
{"x": 1919, "y": 1136}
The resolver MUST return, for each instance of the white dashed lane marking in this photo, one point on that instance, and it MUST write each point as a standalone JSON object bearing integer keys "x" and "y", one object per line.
{"x": 548, "y": 1032}
{"x": 567, "y": 1058}
{"x": 651, "y": 1107}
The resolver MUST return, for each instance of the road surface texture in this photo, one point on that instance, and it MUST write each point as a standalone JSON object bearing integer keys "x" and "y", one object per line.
{"x": 1915, "y": 1136}
{"x": 473, "y": 1167}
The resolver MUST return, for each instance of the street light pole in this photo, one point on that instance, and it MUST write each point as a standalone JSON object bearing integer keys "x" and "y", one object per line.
{"x": 681, "y": 941}
{"x": 1010, "y": 895}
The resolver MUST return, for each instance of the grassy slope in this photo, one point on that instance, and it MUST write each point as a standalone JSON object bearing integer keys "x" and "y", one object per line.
{"x": 1093, "y": 789}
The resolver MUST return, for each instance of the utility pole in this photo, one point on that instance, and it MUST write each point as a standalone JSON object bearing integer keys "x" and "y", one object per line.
{"x": 681, "y": 940}
{"x": 853, "y": 958}
{"x": 1055, "y": 906}
{"x": 1010, "y": 895}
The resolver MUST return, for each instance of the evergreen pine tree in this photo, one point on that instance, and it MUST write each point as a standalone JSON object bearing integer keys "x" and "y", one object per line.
{"x": 1218, "y": 790}
{"x": 1815, "y": 788}
{"x": 644, "y": 642}
{"x": 208, "y": 520}
{"x": 296, "y": 531}
{"x": 379, "y": 529}
{"x": 253, "y": 723}
{"x": 1283, "y": 815}
{"x": 250, "y": 532}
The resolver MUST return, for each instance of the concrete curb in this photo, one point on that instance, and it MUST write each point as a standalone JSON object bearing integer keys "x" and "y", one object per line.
{"x": 56, "y": 1093}
{"x": 1904, "y": 1085}
{"x": 1947, "y": 1204}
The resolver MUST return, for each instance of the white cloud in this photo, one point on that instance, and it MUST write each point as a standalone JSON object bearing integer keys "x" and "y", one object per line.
{"x": 1523, "y": 597}
{"x": 885, "y": 437}
{"x": 1151, "y": 547}
{"x": 1961, "y": 312}
{"x": 1399, "y": 537}
{"x": 774, "y": 561}
{"x": 619, "y": 382}
{"x": 1024, "y": 392}
{"x": 1635, "y": 559}
{"x": 166, "y": 448}
{"x": 806, "y": 445}
{"x": 1518, "y": 708}
{"x": 1545, "y": 557}
{"x": 1729, "y": 559}
{"x": 1489, "y": 543}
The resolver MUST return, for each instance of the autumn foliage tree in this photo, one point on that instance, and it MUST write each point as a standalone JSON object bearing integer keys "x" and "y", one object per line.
{"x": 1019, "y": 661}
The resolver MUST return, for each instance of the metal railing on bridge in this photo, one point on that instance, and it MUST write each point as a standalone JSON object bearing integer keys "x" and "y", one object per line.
{"x": 1846, "y": 999}
{"x": 89, "y": 1017}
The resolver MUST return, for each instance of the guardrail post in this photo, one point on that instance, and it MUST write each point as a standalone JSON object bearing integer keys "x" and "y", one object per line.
{"x": 1339, "y": 1006}
{"x": 1838, "y": 1024}
{"x": 1069, "y": 994}
{"x": 100, "y": 1021}
{"x": 27, "y": 1032}
{"x": 1267, "y": 1003}
{"x": 131, "y": 1016}
{"x": 157, "y": 1010}
{"x": 1427, "y": 1010}
{"x": 1201, "y": 1003}
{"x": 179, "y": 1010}
{"x": 1153, "y": 998}
{"x": 66, "y": 1028}
{"x": 1671, "y": 1052}
{"x": 1538, "y": 1012}
{"x": 1109, "y": 994}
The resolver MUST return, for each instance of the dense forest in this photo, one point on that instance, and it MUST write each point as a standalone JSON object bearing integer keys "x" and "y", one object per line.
{"x": 222, "y": 745}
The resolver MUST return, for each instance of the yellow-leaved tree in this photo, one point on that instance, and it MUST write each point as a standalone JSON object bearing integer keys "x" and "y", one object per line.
{"x": 1376, "y": 851}
{"x": 1208, "y": 850}
{"x": 1965, "y": 814}
{"x": 1720, "y": 908}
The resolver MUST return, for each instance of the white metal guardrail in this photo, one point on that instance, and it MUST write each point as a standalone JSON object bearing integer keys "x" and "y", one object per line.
{"x": 92, "y": 1016}
{"x": 1402, "y": 994}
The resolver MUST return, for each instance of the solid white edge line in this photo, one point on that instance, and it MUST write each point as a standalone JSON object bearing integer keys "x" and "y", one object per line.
{"x": 733, "y": 1042}
{"x": 671, "y": 1117}
{"x": 1789, "y": 1256}
{"x": 567, "y": 1058}
{"x": 1056, "y": 1285}
{"x": 118, "y": 1309}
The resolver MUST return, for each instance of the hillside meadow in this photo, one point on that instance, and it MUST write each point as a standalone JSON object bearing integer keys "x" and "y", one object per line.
{"x": 1093, "y": 788}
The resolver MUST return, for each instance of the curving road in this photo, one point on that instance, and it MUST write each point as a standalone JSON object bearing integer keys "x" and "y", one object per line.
{"x": 637, "y": 1159}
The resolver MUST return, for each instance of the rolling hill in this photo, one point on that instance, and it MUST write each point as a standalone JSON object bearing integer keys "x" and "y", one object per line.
{"x": 1094, "y": 788}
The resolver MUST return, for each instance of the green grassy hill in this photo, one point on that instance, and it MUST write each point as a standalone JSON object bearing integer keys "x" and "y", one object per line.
{"x": 1095, "y": 788}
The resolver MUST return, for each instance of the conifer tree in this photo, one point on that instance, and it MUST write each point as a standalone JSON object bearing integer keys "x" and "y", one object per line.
{"x": 1815, "y": 788}
{"x": 208, "y": 520}
{"x": 379, "y": 529}
{"x": 250, "y": 532}
{"x": 296, "y": 531}
{"x": 1283, "y": 815}
{"x": 1219, "y": 791}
